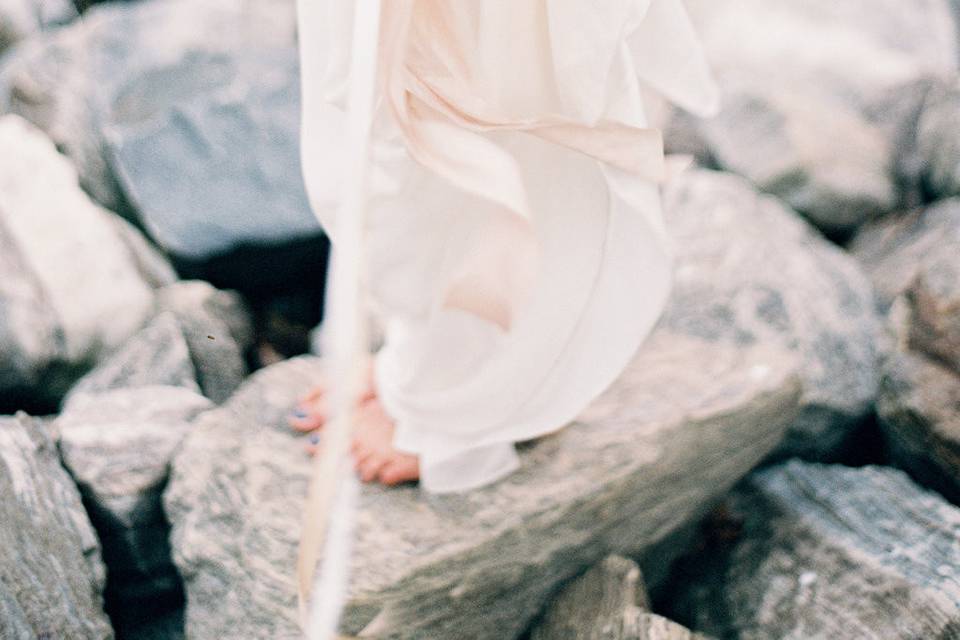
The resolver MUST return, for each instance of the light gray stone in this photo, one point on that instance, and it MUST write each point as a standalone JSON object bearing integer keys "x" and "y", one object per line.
{"x": 51, "y": 575}
{"x": 608, "y": 602}
{"x": 22, "y": 18}
{"x": 218, "y": 329}
{"x": 157, "y": 355}
{"x": 748, "y": 271}
{"x": 117, "y": 445}
{"x": 71, "y": 291}
{"x": 896, "y": 251}
{"x": 688, "y": 417}
{"x": 818, "y": 95}
{"x": 831, "y": 552}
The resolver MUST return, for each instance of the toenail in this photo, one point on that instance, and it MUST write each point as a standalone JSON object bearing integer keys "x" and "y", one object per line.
{"x": 299, "y": 413}
{"x": 315, "y": 439}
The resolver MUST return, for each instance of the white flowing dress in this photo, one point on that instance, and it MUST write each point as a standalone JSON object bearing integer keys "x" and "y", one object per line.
{"x": 515, "y": 247}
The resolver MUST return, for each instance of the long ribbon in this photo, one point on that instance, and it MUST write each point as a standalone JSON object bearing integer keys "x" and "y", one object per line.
{"x": 331, "y": 499}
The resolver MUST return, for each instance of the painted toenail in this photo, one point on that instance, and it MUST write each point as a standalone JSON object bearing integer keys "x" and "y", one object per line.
{"x": 299, "y": 413}
{"x": 315, "y": 439}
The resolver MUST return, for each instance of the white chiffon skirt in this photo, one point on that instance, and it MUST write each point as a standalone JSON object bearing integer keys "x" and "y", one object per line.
{"x": 516, "y": 251}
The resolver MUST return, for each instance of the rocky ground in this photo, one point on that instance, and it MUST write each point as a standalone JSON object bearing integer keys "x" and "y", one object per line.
{"x": 780, "y": 460}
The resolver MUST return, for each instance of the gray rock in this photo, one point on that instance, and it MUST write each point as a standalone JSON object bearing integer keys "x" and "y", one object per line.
{"x": 831, "y": 552}
{"x": 22, "y": 18}
{"x": 59, "y": 250}
{"x": 183, "y": 113}
{"x": 896, "y": 251}
{"x": 207, "y": 153}
{"x": 919, "y": 412}
{"x": 939, "y": 139}
{"x": 157, "y": 355}
{"x": 51, "y": 575}
{"x": 817, "y": 95}
{"x": 608, "y": 602}
{"x": 218, "y": 330}
{"x": 687, "y": 418}
{"x": 118, "y": 445}
{"x": 749, "y": 271}
{"x": 153, "y": 264}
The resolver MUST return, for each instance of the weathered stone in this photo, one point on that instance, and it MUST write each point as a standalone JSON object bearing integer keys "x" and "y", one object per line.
{"x": 919, "y": 411}
{"x": 816, "y": 96}
{"x": 58, "y": 249}
{"x": 687, "y": 419}
{"x": 608, "y": 602}
{"x": 22, "y": 18}
{"x": 153, "y": 265}
{"x": 749, "y": 270}
{"x": 894, "y": 251}
{"x": 51, "y": 576}
{"x": 118, "y": 445}
{"x": 830, "y": 552}
{"x": 157, "y": 355}
{"x": 218, "y": 330}
{"x": 939, "y": 139}
{"x": 201, "y": 76}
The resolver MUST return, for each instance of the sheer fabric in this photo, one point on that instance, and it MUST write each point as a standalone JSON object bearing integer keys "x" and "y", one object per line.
{"x": 516, "y": 250}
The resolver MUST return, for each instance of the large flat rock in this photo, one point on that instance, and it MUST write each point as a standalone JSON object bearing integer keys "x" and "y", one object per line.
{"x": 826, "y": 551}
{"x": 687, "y": 419}
{"x": 51, "y": 575}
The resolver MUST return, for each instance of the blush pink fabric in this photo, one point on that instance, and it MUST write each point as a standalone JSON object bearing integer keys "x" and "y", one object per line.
{"x": 516, "y": 249}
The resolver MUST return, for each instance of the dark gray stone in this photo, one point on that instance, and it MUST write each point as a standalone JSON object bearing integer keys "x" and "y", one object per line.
{"x": 749, "y": 270}
{"x": 830, "y": 552}
{"x": 51, "y": 575}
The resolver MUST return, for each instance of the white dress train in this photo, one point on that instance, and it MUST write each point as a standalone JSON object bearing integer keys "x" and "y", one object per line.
{"x": 516, "y": 250}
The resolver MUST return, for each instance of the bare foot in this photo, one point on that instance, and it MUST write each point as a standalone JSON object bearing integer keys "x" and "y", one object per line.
{"x": 312, "y": 409}
{"x": 374, "y": 455}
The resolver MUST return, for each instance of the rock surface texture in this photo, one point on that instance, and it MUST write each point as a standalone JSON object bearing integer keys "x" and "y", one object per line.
{"x": 137, "y": 93}
{"x": 608, "y": 602}
{"x": 22, "y": 18}
{"x": 57, "y": 249}
{"x": 915, "y": 262}
{"x": 51, "y": 575}
{"x": 707, "y": 397}
{"x": 820, "y": 98}
{"x": 118, "y": 445}
{"x": 831, "y": 552}
{"x": 750, "y": 271}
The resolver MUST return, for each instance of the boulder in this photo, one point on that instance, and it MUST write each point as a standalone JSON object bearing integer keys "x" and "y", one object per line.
{"x": 57, "y": 249}
{"x": 183, "y": 115}
{"x": 749, "y": 270}
{"x": 117, "y": 444}
{"x": 820, "y": 98}
{"x": 22, "y": 18}
{"x": 51, "y": 575}
{"x": 608, "y": 602}
{"x": 939, "y": 140}
{"x": 156, "y": 356}
{"x": 827, "y": 551}
{"x": 218, "y": 330}
{"x": 919, "y": 414}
